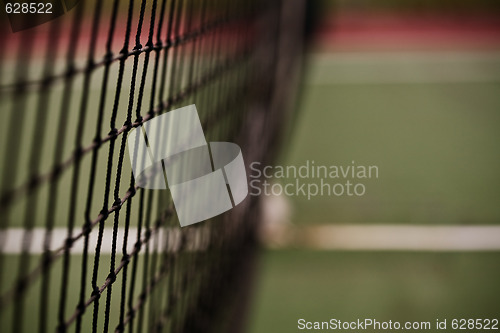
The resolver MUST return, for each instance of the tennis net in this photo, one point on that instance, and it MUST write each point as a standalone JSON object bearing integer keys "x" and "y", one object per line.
{"x": 82, "y": 247}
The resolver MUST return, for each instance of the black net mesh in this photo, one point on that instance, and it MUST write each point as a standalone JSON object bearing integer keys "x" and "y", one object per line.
{"x": 82, "y": 247}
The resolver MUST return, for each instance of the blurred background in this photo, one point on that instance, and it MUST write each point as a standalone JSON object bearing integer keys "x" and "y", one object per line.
{"x": 412, "y": 87}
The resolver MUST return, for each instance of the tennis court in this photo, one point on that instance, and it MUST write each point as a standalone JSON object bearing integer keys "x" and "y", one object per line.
{"x": 444, "y": 130}
{"x": 427, "y": 119}
{"x": 422, "y": 105}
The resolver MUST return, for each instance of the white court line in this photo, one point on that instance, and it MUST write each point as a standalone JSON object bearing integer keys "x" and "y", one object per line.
{"x": 323, "y": 237}
{"x": 196, "y": 240}
{"x": 355, "y": 68}
{"x": 400, "y": 237}
{"x": 277, "y": 232}
{"x": 406, "y": 56}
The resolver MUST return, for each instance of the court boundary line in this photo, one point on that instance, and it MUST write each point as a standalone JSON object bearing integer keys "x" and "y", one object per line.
{"x": 385, "y": 237}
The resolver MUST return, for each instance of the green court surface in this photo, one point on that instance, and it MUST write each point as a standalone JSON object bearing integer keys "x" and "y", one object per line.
{"x": 430, "y": 124}
{"x": 319, "y": 286}
{"x": 428, "y": 121}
